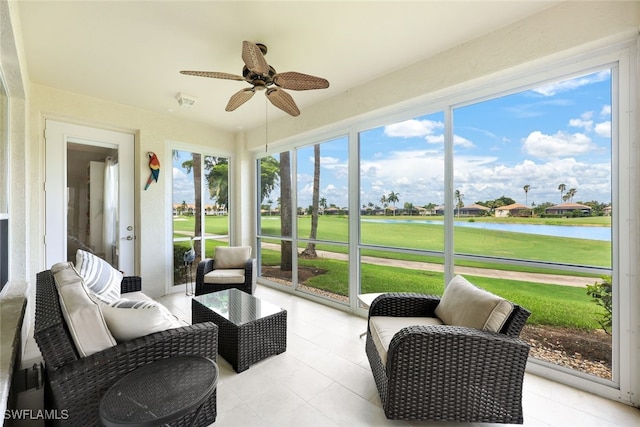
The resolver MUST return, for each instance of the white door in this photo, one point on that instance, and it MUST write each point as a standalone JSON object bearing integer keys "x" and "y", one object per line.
{"x": 89, "y": 201}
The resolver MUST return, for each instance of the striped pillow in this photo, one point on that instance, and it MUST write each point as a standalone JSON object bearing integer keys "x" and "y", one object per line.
{"x": 101, "y": 278}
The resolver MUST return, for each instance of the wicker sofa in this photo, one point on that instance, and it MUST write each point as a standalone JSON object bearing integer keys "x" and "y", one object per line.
{"x": 75, "y": 383}
{"x": 441, "y": 372}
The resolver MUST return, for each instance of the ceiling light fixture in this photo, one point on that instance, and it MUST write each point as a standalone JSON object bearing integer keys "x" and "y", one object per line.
{"x": 186, "y": 101}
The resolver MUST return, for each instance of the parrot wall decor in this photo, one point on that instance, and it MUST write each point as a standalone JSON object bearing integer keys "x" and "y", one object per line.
{"x": 154, "y": 166}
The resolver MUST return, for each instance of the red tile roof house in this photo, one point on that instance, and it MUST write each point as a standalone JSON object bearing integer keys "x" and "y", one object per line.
{"x": 514, "y": 209}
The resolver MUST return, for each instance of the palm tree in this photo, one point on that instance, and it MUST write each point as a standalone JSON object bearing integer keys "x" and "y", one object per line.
{"x": 458, "y": 196}
{"x": 393, "y": 198}
{"x": 384, "y": 201}
{"x": 562, "y": 188}
{"x": 572, "y": 192}
{"x": 323, "y": 202}
{"x": 195, "y": 164}
{"x": 526, "y": 189}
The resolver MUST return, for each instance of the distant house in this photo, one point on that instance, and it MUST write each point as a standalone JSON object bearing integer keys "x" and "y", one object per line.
{"x": 472, "y": 210}
{"x": 514, "y": 209}
{"x": 568, "y": 209}
{"x": 606, "y": 211}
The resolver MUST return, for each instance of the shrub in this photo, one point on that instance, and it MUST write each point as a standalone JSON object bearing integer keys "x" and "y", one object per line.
{"x": 600, "y": 292}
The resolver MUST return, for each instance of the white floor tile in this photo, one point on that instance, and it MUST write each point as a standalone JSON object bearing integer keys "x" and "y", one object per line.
{"x": 324, "y": 379}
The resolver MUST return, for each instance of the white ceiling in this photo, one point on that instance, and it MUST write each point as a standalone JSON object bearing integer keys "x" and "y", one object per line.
{"x": 131, "y": 52}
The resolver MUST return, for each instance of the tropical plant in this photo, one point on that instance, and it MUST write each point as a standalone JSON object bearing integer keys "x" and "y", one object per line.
{"x": 269, "y": 176}
{"x": 217, "y": 176}
{"x": 526, "y": 189}
{"x": 459, "y": 197}
{"x": 601, "y": 294}
{"x": 393, "y": 198}
{"x": 562, "y": 188}
{"x": 384, "y": 201}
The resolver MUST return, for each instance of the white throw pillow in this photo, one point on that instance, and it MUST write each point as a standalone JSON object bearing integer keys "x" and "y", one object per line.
{"x": 463, "y": 304}
{"x": 101, "y": 278}
{"x": 82, "y": 315}
{"x": 231, "y": 256}
{"x": 129, "y": 319}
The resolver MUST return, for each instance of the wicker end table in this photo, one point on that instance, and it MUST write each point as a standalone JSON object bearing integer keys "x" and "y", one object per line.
{"x": 160, "y": 392}
{"x": 249, "y": 329}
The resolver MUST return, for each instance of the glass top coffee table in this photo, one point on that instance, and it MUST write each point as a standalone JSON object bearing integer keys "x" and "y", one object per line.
{"x": 249, "y": 329}
{"x": 160, "y": 392}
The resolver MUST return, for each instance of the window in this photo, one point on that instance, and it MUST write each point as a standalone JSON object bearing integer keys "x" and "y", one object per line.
{"x": 200, "y": 193}
{"x": 533, "y": 198}
{"x": 525, "y": 188}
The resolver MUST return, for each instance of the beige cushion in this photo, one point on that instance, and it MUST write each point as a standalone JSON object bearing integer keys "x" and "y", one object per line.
{"x": 463, "y": 304}
{"x": 84, "y": 319}
{"x": 128, "y": 319}
{"x": 231, "y": 256}
{"x": 383, "y": 328}
{"x": 231, "y": 275}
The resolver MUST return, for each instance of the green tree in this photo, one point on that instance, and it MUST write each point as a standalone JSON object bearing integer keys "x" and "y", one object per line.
{"x": 196, "y": 164}
{"x": 562, "y": 188}
{"x": 458, "y": 196}
{"x": 526, "y": 189}
{"x": 393, "y": 198}
{"x": 269, "y": 176}
{"x": 384, "y": 201}
{"x": 217, "y": 176}
{"x": 408, "y": 207}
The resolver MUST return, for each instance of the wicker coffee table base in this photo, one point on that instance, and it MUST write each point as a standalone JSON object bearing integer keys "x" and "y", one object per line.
{"x": 249, "y": 343}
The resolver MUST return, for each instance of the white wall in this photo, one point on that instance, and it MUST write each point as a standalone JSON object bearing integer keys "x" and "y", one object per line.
{"x": 152, "y": 131}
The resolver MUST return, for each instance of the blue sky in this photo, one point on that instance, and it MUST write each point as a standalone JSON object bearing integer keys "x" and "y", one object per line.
{"x": 557, "y": 133}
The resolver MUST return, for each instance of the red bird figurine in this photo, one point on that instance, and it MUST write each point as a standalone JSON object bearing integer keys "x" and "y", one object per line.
{"x": 154, "y": 166}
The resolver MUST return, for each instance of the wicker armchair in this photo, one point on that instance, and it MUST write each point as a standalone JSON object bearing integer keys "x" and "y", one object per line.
{"x": 75, "y": 384}
{"x": 448, "y": 373}
{"x": 213, "y": 277}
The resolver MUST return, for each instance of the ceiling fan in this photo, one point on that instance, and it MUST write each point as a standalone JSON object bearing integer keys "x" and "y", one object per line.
{"x": 262, "y": 76}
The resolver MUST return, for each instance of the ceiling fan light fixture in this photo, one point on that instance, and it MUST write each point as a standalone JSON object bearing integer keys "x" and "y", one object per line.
{"x": 186, "y": 101}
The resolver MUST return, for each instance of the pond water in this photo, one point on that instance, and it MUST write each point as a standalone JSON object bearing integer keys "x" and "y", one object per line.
{"x": 571, "y": 231}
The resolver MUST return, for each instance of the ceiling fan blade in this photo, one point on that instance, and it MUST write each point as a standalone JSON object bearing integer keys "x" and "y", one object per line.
{"x": 283, "y": 101}
{"x": 254, "y": 59}
{"x": 298, "y": 81}
{"x": 213, "y": 74}
{"x": 239, "y": 98}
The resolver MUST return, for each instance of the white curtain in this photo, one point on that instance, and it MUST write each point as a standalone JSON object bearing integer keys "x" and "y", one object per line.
{"x": 110, "y": 210}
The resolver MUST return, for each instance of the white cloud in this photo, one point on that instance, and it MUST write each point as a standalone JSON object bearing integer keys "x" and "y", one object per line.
{"x": 606, "y": 111}
{"x": 587, "y": 125}
{"x": 603, "y": 129}
{"x": 569, "y": 85}
{"x": 560, "y": 144}
{"x": 412, "y": 128}
{"x": 457, "y": 140}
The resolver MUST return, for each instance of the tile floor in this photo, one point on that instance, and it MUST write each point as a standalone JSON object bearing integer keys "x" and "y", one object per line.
{"x": 324, "y": 379}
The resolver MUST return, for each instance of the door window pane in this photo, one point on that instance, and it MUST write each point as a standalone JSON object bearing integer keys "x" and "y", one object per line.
{"x": 200, "y": 188}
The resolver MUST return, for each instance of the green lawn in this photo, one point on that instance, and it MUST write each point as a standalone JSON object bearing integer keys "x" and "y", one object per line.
{"x": 550, "y": 304}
